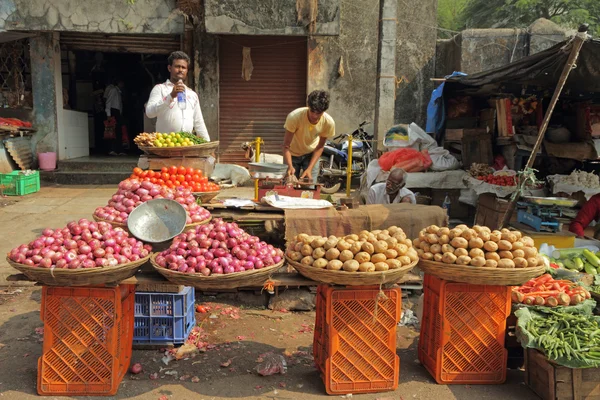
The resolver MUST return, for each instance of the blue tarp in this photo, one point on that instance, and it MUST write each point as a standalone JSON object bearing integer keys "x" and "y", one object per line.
{"x": 436, "y": 109}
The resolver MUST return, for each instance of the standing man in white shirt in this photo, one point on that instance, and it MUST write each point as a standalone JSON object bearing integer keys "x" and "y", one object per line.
{"x": 392, "y": 190}
{"x": 164, "y": 105}
{"x": 114, "y": 109}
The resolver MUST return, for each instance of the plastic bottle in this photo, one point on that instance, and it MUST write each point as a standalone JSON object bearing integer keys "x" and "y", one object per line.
{"x": 446, "y": 204}
{"x": 181, "y": 101}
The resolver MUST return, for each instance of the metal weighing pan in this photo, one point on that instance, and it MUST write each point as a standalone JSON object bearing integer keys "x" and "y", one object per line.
{"x": 552, "y": 201}
{"x": 156, "y": 221}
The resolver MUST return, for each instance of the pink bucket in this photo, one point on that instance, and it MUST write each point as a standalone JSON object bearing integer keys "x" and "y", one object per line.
{"x": 47, "y": 161}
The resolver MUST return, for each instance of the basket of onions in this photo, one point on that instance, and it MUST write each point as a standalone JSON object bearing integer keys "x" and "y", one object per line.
{"x": 132, "y": 193}
{"x": 81, "y": 254}
{"x": 218, "y": 255}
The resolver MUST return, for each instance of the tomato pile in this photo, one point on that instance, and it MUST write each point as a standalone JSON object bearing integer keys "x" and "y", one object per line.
{"x": 174, "y": 176}
{"x": 498, "y": 180}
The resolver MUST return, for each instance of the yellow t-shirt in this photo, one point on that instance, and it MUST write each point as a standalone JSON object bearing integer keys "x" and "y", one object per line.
{"x": 306, "y": 135}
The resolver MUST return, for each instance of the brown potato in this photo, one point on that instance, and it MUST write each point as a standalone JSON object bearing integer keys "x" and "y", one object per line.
{"x": 477, "y": 253}
{"x": 435, "y": 248}
{"x": 461, "y": 252}
{"x": 459, "y": 243}
{"x": 390, "y": 253}
{"x": 392, "y": 242}
{"x": 402, "y": 249}
{"x": 520, "y": 262}
{"x": 412, "y": 255}
{"x": 298, "y": 247}
{"x": 332, "y": 254}
{"x": 518, "y": 234}
{"x": 405, "y": 260}
{"x": 447, "y": 248}
{"x": 462, "y": 227}
{"x": 393, "y": 229}
{"x": 368, "y": 247}
{"x": 320, "y": 263}
{"x": 306, "y": 250}
{"x": 423, "y": 235}
{"x": 381, "y": 266}
{"x": 318, "y": 242}
{"x": 506, "y": 254}
{"x": 438, "y": 257}
{"x": 367, "y": 267}
{"x": 506, "y": 263}
{"x": 416, "y": 242}
{"x": 449, "y": 258}
{"x": 444, "y": 239}
{"x": 443, "y": 231}
{"x": 383, "y": 236}
{"x": 330, "y": 244}
{"x": 533, "y": 262}
{"x": 425, "y": 247}
{"x": 362, "y": 257}
{"x": 530, "y": 252}
{"x": 392, "y": 263}
{"x": 463, "y": 260}
{"x": 505, "y": 230}
{"x": 295, "y": 256}
{"x": 518, "y": 254}
{"x": 492, "y": 255}
{"x": 334, "y": 265}
{"x": 343, "y": 245}
{"x": 495, "y": 236}
{"x": 352, "y": 236}
{"x": 432, "y": 238}
{"x": 454, "y": 233}
{"x": 304, "y": 238}
{"x": 432, "y": 229}
{"x": 509, "y": 237}
{"x": 476, "y": 243}
{"x": 407, "y": 242}
{"x": 319, "y": 252}
{"x": 491, "y": 264}
{"x": 350, "y": 266}
{"x": 518, "y": 245}
{"x": 527, "y": 241}
{"x": 308, "y": 261}
{"x": 420, "y": 253}
{"x": 372, "y": 239}
{"x": 378, "y": 257}
{"x": 468, "y": 234}
{"x": 483, "y": 235}
{"x": 478, "y": 261}
{"x": 356, "y": 247}
{"x": 490, "y": 246}
{"x": 504, "y": 245}
{"x": 346, "y": 255}
{"x": 380, "y": 246}
{"x": 427, "y": 256}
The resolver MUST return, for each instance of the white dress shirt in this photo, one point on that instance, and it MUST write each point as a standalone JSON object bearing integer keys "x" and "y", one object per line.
{"x": 112, "y": 94}
{"x": 377, "y": 195}
{"x": 169, "y": 118}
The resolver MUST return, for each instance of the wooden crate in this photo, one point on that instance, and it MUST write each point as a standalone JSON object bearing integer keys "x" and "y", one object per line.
{"x": 554, "y": 382}
{"x": 491, "y": 210}
{"x": 477, "y": 148}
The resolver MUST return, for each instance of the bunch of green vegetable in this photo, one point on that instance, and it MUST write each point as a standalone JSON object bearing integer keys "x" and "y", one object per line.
{"x": 582, "y": 260}
{"x": 566, "y": 338}
{"x": 195, "y": 139}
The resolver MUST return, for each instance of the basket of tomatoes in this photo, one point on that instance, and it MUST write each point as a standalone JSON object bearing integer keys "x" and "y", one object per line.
{"x": 175, "y": 176}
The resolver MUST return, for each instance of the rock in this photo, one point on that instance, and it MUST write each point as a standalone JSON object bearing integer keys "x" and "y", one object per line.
{"x": 293, "y": 300}
{"x": 248, "y": 298}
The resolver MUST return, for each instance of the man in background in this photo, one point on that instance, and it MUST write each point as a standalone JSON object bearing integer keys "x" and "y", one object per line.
{"x": 392, "y": 190}
{"x": 170, "y": 114}
{"x": 114, "y": 109}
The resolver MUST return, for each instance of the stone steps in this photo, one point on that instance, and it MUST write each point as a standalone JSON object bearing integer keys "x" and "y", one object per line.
{"x": 100, "y": 170}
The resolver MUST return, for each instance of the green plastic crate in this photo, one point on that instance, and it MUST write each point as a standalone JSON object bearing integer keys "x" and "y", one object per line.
{"x": 18, "y": 184}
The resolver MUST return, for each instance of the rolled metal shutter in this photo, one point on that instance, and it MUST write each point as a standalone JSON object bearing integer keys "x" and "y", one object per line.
{"x": 258, "y": 107}
{"x": 146, "y": 44}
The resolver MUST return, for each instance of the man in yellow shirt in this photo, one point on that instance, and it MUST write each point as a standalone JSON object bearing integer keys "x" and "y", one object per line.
{"x": 306, "y": 131}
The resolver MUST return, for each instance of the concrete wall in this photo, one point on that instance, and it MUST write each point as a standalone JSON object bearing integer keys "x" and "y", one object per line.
{"x": 206, "y": 79}
{"x": 109, "y": 16}
{"x": 477, "y": 50}
{"x": 268, "y": 17}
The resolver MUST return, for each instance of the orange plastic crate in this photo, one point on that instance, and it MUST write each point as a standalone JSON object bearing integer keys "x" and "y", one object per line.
{"x": 88, "y": 334}
{"x": 356, "y": 349}
{"x": 463, "y": 331}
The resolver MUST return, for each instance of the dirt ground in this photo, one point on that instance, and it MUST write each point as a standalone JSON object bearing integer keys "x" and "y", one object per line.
{"x": 237, "y": 338}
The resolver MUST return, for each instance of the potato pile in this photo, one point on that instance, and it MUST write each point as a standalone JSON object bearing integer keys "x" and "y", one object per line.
{"x": 477, "y": 247}
{"x": 379, "y": 250}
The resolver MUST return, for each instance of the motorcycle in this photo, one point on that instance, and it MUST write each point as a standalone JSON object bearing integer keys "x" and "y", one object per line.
{"x": 334, "y": 160}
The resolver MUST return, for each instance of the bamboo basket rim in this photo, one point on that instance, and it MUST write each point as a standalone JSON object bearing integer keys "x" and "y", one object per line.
{"x": 352, "y": 278}
{"x": 220, "y": 281}
{"x": 481, "y": 275}
{"x": 124, "y": 226}
{"x": 49, "y": 276}
{"x": 168, "y": 151}
{"x": 210, "y": 144}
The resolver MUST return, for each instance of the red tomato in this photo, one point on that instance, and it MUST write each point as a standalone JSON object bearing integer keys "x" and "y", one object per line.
{"x": 190, "y": 171}
{"x": 176, "y": 183}
{"x": 164, "y": 170}
{"x": 172, "y": 169}
{"x": 160, "y": 182}
{"x": 200, "y": 309}
{"x": 196, "y": 178}
{"x": 153, "y": 180}
{"x": 188, "y": 177}
{"x": 165, "y": 176}
{"x": 137, "y": 171}
{"x": 181, "y": 170}
{"x": 180, "y": 178}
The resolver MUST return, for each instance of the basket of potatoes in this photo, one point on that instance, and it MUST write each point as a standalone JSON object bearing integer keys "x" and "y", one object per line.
{"x": 368, "y": 258}
{"x": 478, "y": 255}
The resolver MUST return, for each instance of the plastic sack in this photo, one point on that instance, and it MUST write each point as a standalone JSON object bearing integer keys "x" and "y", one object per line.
{"x": 410, "y": 160}
{"x": 442, "y": 160}
{"x": 109, "y": 128}
{"x": 403, "y": 136}
{"x": 272, "y": 364}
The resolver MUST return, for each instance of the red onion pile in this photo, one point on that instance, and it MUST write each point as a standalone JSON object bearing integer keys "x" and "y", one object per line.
{"x": 81, "y": 244}
{"x": 132, "y": 193}
{"x": 218, "y": 248}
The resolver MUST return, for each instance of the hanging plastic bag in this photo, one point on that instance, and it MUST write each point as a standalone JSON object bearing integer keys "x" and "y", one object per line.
{"x": 109, "y": 128}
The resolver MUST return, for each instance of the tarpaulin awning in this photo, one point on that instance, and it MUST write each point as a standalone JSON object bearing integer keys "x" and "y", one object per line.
{"x": 541, "y": 69}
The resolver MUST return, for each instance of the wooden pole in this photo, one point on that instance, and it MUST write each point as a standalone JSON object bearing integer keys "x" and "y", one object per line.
{"x": 578, "y": 41}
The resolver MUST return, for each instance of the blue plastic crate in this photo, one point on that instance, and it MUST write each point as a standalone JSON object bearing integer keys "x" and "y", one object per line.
{"x": 164, "y": 318}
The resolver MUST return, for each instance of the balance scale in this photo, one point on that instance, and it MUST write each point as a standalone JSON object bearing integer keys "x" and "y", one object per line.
{"x": 272, "y": 186}
{"x": 543, "y": 213}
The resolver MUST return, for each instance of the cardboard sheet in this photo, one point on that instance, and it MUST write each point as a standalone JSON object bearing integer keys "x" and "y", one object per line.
{"x": 410, "y": 217}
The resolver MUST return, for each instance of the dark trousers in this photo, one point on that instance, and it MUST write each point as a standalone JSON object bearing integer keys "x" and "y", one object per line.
{"x": 300, "y": 163}
{"x": 117, "y": 143}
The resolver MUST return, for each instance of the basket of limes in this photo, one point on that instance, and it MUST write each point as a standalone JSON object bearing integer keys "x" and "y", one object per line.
{"x": 175, "y": 144}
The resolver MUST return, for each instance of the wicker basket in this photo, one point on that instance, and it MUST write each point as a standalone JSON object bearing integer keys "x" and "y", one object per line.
{"x": 199, "y": 150}
{"x": 124, "y": 226}
{"x": 481, "y": 275}
{"x": 256, "y": 277}
{"x": 206, "y": 197}
{"x": 352, "y": 278}
{"x": 81, "y": 276}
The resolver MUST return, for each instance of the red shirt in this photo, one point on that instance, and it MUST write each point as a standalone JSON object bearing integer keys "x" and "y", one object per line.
{"x": 588, "y": 213}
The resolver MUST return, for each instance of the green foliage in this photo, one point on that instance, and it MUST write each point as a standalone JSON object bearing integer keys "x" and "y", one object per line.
{"x": 518, "y": 13}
